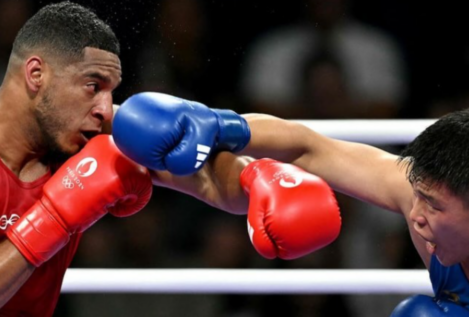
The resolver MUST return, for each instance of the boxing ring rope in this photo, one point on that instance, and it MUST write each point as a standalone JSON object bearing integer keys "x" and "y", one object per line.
{"x": 377, "y": 132}
{"x": 246, "y": 281}
{"x": 268, "y": 281}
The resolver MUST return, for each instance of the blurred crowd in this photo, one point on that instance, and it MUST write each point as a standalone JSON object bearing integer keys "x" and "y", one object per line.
{"x": 308, "y": 59}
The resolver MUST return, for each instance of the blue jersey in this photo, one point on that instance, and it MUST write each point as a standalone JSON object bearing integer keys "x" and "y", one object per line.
{"x": 450, "y": 282}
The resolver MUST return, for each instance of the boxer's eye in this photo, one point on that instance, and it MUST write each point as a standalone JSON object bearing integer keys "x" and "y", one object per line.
{"x": 94, "y": 87}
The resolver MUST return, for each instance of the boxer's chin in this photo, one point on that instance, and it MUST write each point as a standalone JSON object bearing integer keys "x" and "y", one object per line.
{"x": 73, "y": 145}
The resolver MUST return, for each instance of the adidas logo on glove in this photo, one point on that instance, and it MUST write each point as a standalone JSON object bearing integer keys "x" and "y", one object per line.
{"x": 202, "y": 154}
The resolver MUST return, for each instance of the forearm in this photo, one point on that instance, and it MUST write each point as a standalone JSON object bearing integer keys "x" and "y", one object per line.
{"x": 223, "y": 189}
{"x": 217, "y": 184}
{"x": 279, "y": 139}
{"x": 14, "y": 271}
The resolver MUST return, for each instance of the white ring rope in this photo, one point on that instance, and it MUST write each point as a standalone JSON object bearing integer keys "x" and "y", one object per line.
{"x": 246, "y": 281}
{"x": 263, "y": 281}
{"x": 378, "y": 132}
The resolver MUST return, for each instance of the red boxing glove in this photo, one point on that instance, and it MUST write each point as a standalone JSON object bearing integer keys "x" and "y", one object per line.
{"x": 97, "y": 180}
{"x": 291, "y": 212}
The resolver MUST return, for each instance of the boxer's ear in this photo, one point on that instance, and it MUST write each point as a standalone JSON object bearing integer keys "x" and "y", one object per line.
{"x": 34, "y": 73}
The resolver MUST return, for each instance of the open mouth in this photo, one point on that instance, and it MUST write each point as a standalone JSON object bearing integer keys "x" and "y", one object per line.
{"x": 88, "y": 135}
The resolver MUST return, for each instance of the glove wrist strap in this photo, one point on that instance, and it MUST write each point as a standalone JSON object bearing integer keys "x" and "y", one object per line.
{"x": 38, "y": 235}
{"x": 234, "y": 132}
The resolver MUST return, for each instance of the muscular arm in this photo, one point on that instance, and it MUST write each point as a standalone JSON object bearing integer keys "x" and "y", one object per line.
{"x": 217, "y": 183}
{"x": 358, "y": 170}
{"x": 14, "y": 271}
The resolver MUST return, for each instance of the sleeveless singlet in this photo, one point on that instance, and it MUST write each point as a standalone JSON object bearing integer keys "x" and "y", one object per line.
{"x": 39, "y": 295}
{"x": 450, "y": 282}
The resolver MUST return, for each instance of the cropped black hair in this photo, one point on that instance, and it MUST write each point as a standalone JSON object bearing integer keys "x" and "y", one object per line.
{"x": 63, "y": 30}
{"x": 440, "y": 155}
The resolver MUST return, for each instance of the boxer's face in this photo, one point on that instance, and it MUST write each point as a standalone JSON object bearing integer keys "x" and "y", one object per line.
{"x": 77, "y": 100}
{"x": 442, "y": 219}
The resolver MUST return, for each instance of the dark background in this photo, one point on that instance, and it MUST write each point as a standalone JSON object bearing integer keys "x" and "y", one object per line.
{"x": 433, "y": 38}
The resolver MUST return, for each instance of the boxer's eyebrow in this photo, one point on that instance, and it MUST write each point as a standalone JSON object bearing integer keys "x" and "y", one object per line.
{"x": 99, "y": 76}
{"x": 425, "y": 196}
{"x": 429, "y": 199}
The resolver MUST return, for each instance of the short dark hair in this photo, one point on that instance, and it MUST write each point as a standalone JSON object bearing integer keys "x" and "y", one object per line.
{"x": 64, "y": 30}
{"x": 440, "y": 154}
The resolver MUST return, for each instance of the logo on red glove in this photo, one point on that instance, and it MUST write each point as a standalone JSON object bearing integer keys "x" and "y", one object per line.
{"x": 86, "y": 167}
{"x": 67, "y": 182}
{"x": 288, "y": 180}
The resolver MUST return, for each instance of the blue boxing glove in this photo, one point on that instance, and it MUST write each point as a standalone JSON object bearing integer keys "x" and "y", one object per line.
{"x": 426, "y": 306}
{"x": 163, "y": 132}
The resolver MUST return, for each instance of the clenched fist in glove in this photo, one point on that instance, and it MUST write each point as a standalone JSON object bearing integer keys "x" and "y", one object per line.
{"x": 97, "y": 180}
{"x": 164, "y": 132}
{"x": 291, "y": 212}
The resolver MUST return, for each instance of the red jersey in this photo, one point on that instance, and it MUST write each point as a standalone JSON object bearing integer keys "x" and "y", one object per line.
{"x": 39, "y": 295}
